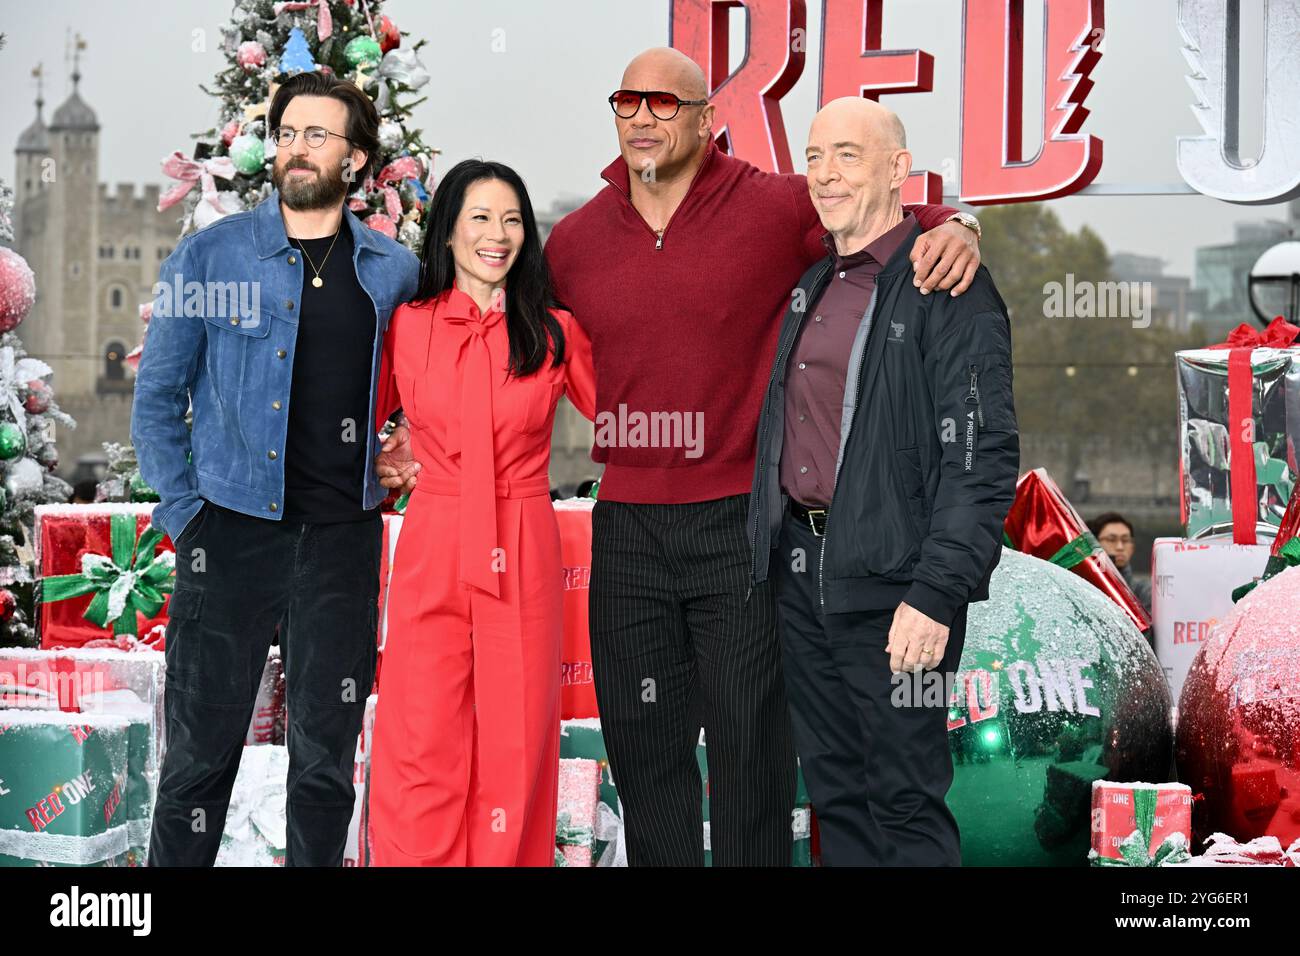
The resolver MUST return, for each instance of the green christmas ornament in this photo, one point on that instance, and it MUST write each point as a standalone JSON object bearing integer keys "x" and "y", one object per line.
{"x": 362, "y": 52}
{"x": 13, "y": 443}
{"x": 1056, "y": 689}
{"x": 248, "y": 153}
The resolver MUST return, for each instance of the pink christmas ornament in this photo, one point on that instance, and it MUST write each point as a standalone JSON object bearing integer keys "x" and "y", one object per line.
{"x": 251, "y": 55}
{"x": 17, "y": 289}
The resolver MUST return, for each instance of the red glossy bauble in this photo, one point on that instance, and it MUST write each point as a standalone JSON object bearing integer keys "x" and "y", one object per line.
{"x": 1238, "y": 738}
{"x": 389, "y": 38}
{"x": 8, "y": 604}
{"x": 38, "y": 397}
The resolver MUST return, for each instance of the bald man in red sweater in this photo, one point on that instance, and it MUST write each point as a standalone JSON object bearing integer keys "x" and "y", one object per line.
{"x": 680, "y": 270}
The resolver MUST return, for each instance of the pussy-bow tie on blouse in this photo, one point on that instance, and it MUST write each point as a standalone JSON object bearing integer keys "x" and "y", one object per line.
{"x": 472, "y": 434}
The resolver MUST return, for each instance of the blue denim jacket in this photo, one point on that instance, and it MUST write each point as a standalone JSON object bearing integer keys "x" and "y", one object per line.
{"x": 225, "y": 320}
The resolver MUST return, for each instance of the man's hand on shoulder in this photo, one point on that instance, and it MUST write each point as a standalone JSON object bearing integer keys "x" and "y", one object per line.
{"x": 945, "y": 258}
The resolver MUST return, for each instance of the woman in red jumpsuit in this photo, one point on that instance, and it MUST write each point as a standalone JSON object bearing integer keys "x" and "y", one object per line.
{"x": 465, "y": 759}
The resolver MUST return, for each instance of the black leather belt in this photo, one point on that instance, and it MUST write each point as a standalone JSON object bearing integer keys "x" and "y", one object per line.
{"x": 814, "y": 518}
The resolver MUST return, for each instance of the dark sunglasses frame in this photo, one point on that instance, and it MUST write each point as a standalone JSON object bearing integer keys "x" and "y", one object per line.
{"x": 644, "y": 96}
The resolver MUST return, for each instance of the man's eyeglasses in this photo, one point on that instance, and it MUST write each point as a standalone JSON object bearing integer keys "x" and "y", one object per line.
{"x": 663, "y": 105}
{"x": 315, "y": 136}
{"x": 1119, "y": 540}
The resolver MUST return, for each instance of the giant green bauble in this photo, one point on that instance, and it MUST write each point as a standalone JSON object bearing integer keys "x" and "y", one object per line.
{"x": 1057, "y": 689}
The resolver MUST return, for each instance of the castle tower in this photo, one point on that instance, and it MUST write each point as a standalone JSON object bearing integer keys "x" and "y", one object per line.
{"x": 31, "y": 162}
{"x": 72, "y": 231}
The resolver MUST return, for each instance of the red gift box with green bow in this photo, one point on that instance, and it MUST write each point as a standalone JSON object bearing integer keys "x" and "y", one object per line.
{"x": 1140, "y": 824}
{"x": 105, "y": 576}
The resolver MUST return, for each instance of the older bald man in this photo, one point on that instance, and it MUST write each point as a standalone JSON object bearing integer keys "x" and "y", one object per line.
{"x": 886, "y": 464}
{"x": 680, "y": 270}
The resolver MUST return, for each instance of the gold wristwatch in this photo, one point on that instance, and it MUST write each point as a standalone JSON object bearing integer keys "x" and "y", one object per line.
{"x": 969, "y": 221}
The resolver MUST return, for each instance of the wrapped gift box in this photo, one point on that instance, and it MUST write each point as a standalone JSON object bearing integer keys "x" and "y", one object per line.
{"x": 577, "y": 816}
{"x": 581, "y": 738}
{"x": 1239, "y": 422}
{"x": 1191, "y": 591}
{"x": 99, "y": 681}
{"x": 73, "y": 790}
{"x": 1042, "y": 522}
{"x": 1140, "y": 824}
{"x": 81, "y": 550}
{"x": 256, "y": 831}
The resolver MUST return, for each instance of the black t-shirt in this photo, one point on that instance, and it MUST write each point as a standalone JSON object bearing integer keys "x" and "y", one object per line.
{"x": 329, "y": 402}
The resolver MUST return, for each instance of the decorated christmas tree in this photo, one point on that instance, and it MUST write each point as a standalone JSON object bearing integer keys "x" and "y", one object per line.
{"x": 264, "y": 44}
{"x": 28, "y": 414}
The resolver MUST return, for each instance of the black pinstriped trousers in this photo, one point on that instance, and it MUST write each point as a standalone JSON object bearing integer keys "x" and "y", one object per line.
{"x": 676, "y": 645}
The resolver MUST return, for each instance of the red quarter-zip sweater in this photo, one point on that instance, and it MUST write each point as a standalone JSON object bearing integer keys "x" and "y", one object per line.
{"x": 687, "y": 324}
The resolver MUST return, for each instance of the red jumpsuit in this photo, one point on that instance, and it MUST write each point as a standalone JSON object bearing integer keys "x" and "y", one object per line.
{"x": 465, "y": 759}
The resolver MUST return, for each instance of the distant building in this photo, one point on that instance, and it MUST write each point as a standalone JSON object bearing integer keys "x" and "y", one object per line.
{"x": 96, "y": 256}
{"x": 1174, "y": 303}
{"x": 560, "y": 208}
{"x": 1222, "y": 271}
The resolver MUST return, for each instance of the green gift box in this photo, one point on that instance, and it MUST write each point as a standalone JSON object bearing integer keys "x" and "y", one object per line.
{"x": 70, "y": 784}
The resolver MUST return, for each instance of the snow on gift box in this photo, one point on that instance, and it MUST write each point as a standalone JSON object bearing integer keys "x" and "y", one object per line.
{"x": 1238, "y": 744}
{"x": 1056, "y": 688}
{"x": 73, "y": 790}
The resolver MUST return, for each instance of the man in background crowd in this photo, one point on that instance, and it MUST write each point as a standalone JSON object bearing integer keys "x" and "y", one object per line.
{"x": 1115, "y": 533}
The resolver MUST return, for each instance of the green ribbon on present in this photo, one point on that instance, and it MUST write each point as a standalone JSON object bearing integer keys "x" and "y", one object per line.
{"x": 1133, "y": 852}
{"x": 1288, "y": 556}
{"x": 134, "y": 579}
{"x": 1076, "y": 552}
{"x": 567, "y": 834}
{"x": 400, "y": 505}
{"x": 1073, "y": 553}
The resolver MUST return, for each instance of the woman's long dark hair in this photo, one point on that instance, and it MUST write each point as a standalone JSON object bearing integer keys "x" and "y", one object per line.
{"x": 529, "y": 295}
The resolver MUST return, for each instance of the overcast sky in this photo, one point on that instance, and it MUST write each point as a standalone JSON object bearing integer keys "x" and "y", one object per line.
{"x": 540, "y": 105}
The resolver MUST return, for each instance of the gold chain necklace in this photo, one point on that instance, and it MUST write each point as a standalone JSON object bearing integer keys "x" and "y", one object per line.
{"x": 317, "y": 281}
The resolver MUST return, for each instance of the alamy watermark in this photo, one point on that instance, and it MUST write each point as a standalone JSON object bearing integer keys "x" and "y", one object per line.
{"x": 226, "y": 300}
{"x": 1084, "y": 299}
{"x": 660, "y": 429}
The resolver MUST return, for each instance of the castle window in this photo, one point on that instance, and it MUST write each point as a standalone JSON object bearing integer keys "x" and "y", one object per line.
{"x": 114, "y": 361}
{"x": 115, "y": 298}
